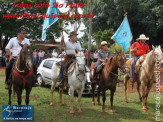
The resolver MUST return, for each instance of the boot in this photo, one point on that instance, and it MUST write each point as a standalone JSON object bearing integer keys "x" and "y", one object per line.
{"x": 61, "y": 84}
{"x": 94, "y": 78}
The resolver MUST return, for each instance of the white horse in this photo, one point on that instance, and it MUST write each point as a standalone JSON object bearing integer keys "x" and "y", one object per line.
{"x": 145, "y": 76}
{"x": 76, "y": 80}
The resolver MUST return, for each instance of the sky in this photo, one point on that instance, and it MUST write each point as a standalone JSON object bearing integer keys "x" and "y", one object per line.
{"x": 82, "y": 26}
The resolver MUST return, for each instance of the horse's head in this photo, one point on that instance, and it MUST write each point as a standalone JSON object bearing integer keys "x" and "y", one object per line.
{"x": 157, "y": 53}
{"x": 80, "y": 60}
{"x": 26, "y": 55}
{"x": 120, "y": 61}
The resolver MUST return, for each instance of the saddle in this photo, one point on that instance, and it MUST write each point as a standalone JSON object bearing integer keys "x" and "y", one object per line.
{"x": 100, "y": 67}
{"x": 138, "y": 64}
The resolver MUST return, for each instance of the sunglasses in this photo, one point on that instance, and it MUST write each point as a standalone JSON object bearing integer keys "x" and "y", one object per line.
{"x": 23, "y": 33}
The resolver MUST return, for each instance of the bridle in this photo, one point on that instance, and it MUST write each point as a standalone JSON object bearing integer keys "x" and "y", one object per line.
{"x": 119, "y": 66}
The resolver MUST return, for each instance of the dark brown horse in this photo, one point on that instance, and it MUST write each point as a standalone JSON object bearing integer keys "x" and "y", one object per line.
{"x": 22, "y": 76}
{"x": 108, "y": 79}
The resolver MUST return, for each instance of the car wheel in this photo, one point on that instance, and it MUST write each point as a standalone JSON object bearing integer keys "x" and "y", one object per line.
{"x": 40, "y": 80}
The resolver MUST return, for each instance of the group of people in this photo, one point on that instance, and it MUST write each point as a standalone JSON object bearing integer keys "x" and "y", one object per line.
{"x": 139, "y": 48}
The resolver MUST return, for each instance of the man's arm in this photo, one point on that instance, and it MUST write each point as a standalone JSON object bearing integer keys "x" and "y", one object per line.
{"x": 9, "y": 53}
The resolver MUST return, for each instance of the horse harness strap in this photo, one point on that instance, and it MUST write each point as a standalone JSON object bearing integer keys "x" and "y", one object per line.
{"x": 146, "y": 74}
{"x": 23, "y": 77}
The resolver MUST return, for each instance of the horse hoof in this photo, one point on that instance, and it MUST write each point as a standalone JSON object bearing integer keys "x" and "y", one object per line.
{"x": 80, "y": 112}
{"x": 51, "y": 104}
{"x": 72, "y": 112}
{"x": 62, "y": 104}
{"x": 103, "y": 113}
{"x": 126, "y": 101}
{"x": 93, "y": 103}
{"x": 112, "y": 111}
{"x": 99, "y": 103}
{"x": 144, "y": 109}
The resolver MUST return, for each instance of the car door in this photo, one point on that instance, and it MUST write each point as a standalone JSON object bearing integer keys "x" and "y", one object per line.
{"x": 47, "y": 71}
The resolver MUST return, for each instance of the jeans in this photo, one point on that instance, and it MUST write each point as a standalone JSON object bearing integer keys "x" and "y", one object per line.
{"x": 62, "y": 70}
{"x": 40, "y": 60}
{"x": 98, "y": 64}
{"x": 133, "y": 62}
{"x": 34, "y": 61}
{"x": 9, "y": 69}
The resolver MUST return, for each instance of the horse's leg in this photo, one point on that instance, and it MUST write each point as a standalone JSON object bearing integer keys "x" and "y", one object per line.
{"x": 79, "y": 100}
{"x": 143, "y": 97}
{"x": 149, "y": 86}
{"x": 126, "y": 80}
{"x": 71, "y": 100}
{"x": 138, "y": 89}
{"x": 103, "y": 99}
{"x": 93, "y": 93}
{"x": 98, "y": 95}
{"x": 60, "y": 96}
{"x": 52, "y": 91}
{"x": 10, "y": 92}
{"x": 28, "y": 91}
{"x": 19, "y": 92}
{"x": 111, "y": 101}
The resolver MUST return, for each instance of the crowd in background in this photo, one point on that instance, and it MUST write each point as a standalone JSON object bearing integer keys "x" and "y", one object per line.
{"x": 39, "y": 55}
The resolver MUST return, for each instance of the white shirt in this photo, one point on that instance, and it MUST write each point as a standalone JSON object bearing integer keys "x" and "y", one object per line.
{"x": 54, "y": 54}
{"x": 71, "y": 47}
{"x": 14, "y": 46}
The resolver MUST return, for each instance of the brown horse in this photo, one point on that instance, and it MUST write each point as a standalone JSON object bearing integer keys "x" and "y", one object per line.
{"x": 22, "y": 76}
{"x": 108, "y": 78}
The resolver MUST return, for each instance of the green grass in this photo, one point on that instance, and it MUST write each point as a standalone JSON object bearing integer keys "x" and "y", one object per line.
{"x": 43, "y": 112}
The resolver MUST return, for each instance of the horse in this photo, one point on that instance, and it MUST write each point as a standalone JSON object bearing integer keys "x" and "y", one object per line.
{"x": 108, "y": 78}
{"x": 145, "y": 75}
{"x": 22, "y": 76}
{"x": 76, "y": 80}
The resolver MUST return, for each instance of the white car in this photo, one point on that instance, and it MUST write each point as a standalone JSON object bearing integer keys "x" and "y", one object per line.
{"x": 44, "y": 72}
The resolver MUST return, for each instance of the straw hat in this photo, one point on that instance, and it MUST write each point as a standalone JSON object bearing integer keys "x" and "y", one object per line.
{"x": 104, "y": 43}
{"x": 142, "y": 36}
{"x": 73, "y": 33}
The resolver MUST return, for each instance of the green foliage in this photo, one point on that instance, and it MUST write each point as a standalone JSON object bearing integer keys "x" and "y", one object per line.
{"x": 93, "y": 47}
{"x": 145, "y": 16}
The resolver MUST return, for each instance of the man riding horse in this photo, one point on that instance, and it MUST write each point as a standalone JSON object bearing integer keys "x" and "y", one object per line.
{"x": 103, "y": 55}
{"x": 13, "y": 49}
{"x": 70, "y": 45}
{"x": 138, "y": 49}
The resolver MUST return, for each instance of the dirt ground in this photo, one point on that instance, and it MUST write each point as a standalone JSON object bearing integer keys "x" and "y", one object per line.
{"x": 2, "y": 69}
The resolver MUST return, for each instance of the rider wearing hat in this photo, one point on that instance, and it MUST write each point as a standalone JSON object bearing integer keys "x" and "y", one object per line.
{"x": 138, "y": 48}
{"x": 70, "y": 46}
{"x": 103, "y": 55}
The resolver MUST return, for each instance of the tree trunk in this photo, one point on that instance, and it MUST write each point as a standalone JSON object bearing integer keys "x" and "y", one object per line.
{"x": 89, "y": 36}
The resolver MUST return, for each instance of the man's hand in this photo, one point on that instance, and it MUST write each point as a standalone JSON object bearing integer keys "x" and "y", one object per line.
{"x": 106, "y": 59}
{"x": 135, "y": 49}
{"x": 11, "y": 58}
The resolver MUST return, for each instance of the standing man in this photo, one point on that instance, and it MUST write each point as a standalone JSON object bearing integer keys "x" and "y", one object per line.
{"x": 103, "y": 55}
{"x": 70, "y": 45}
{"x": 13, "y": 49}
{"x": 138, "y": 49}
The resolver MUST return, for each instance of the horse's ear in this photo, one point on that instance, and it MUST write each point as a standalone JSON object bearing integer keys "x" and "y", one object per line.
{"x": 116, "y": 51}
{"x": 159, "y": 46}
{"x": 153, "y": 47}
{"x": 20, "y": 44}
